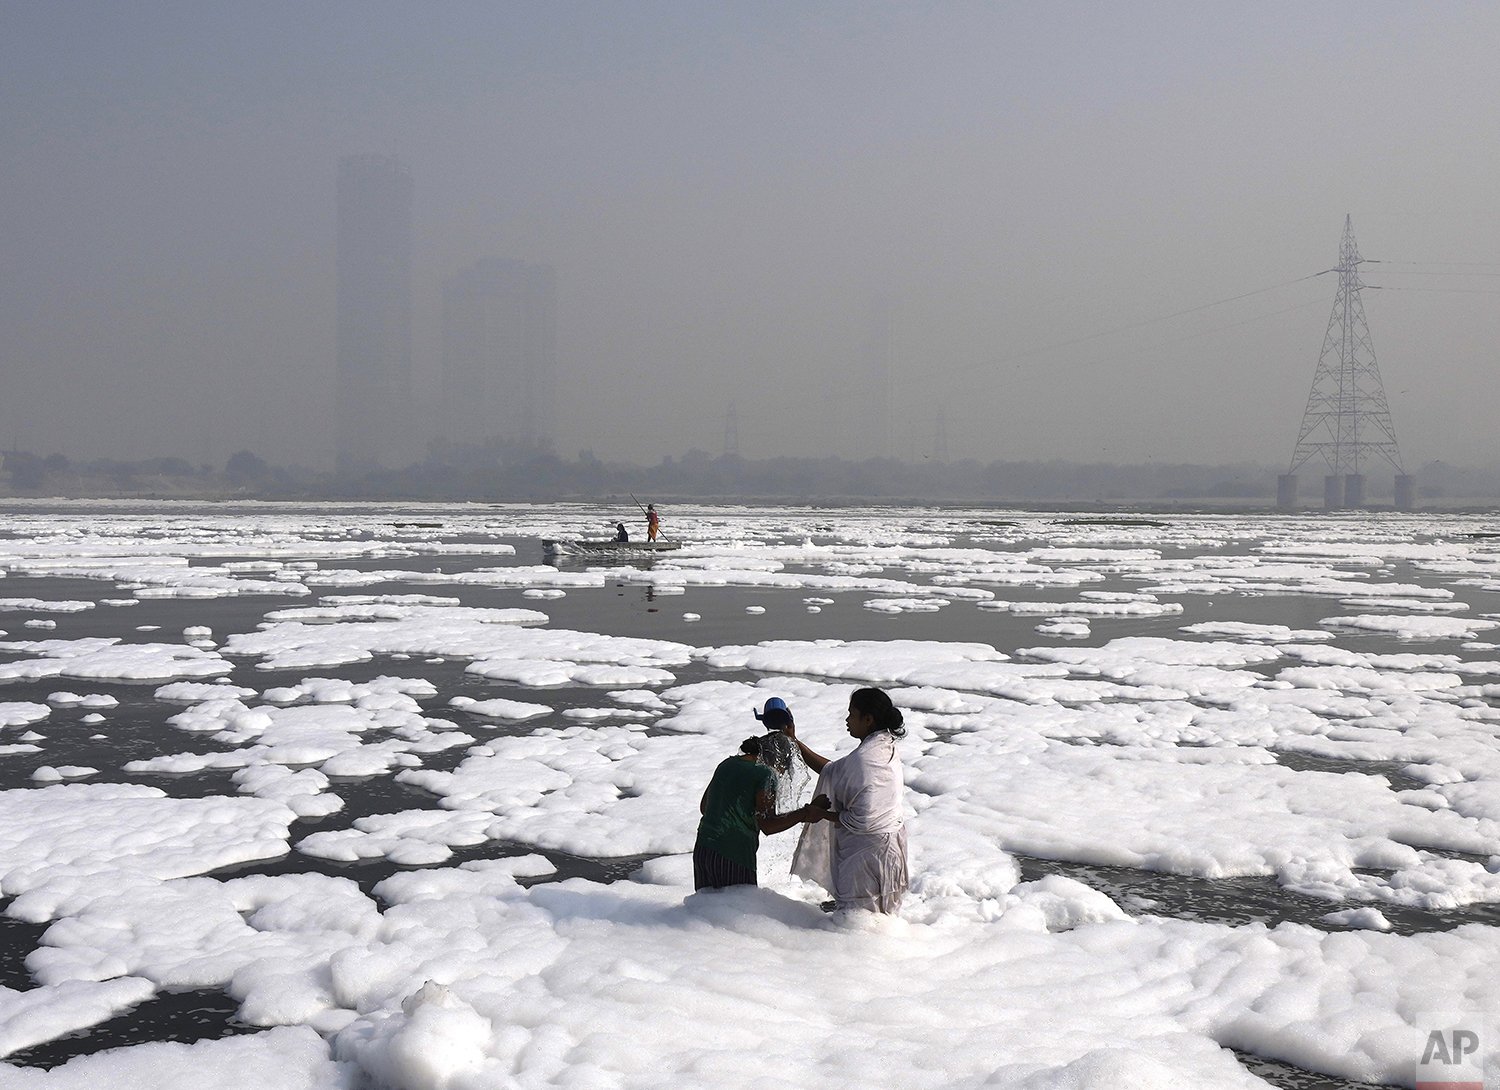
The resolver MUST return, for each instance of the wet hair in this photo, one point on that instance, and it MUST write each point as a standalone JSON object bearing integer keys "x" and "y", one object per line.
{"x": 751, "y": 746}
{"x": 876, "y": 704}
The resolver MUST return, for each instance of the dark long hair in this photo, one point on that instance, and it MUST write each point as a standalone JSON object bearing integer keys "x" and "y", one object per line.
{"x": 876, "y": 704}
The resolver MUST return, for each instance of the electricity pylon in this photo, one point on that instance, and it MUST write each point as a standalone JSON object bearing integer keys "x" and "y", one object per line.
{"x": 1347, "y": 420}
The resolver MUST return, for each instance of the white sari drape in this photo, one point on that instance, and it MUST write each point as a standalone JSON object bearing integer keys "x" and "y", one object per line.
{"x": 861, "y": 858}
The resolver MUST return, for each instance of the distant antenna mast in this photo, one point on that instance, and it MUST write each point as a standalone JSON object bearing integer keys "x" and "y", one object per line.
{"x": 732, "y": 431}
{"x": 1347, "y": 421}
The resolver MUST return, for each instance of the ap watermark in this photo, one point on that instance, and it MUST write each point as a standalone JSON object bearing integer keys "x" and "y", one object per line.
{"x": 1455, "y": 1049}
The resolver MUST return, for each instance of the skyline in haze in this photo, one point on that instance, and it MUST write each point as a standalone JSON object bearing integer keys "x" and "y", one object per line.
{"x": 754, "y": 205}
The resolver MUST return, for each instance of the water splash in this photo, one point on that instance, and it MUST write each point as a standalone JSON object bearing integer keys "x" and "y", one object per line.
{"x": 781, "y": 755}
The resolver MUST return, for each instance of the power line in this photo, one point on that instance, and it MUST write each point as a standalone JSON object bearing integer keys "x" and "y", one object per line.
{"x": 1400, "y": 261}
{"x": 1145, "y": 322}
{"x": 1247, "y": 321}
{"x": 1206, "y": 332}
{"x": 1040, "y": 349}
{"x": 1449, "y": 291}
{"x": 1421, "y": 272}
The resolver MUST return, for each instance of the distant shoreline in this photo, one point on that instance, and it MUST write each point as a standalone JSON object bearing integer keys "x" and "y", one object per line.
{"x": 1121, "y": 509}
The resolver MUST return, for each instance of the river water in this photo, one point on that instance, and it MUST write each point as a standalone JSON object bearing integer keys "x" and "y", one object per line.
{"x": 37, "y": 542}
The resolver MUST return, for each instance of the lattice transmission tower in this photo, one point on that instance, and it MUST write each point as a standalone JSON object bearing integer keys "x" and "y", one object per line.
{"x": 1347, "y": 421}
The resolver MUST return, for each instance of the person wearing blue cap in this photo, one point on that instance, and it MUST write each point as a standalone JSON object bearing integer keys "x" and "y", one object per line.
{"x": 779, "y": 752}
{"x": 776, "y": 716}
{"x": 739, "y": 805}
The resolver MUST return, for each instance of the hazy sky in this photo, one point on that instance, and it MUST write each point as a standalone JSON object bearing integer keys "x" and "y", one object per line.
{"x": 726, "y": 189}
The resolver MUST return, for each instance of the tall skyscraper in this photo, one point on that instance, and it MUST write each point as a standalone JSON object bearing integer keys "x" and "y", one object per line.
{"x": 878, "y": 378}
{"x": 372, "y": 388}
{"x": 500, "y": 353}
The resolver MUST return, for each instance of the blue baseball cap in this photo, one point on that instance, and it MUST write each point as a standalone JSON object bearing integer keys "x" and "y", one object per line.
{"x": 775, "y": 704}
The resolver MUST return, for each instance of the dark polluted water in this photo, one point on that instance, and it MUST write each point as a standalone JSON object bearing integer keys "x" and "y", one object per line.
{"x": 1289, "y": 1077}
{"x": 181, "y": 1017}
{"x": 1238, "y": 901}
{"x": 137, "y": 728}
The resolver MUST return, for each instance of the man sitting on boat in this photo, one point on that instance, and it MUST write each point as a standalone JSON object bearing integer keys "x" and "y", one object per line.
{"x": 620, "y": 533}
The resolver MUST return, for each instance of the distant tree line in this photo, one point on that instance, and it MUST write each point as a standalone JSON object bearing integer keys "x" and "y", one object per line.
{"x": 505, "y": 471}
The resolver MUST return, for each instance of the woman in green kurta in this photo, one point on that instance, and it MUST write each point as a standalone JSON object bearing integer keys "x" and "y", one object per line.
{"x": 737, "y": 806}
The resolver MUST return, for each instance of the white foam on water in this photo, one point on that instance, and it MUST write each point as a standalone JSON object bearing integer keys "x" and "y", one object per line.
{"x": 290, "y": 1058}
{"x": 49, "y": 774}
{"x": 500, "y": 708}
{"x": 61, "y": 846}
{"x": 38, "y": 605}
{"x": 1414, "y": 628}
{"x": 905, "y": 605}
{"x": 38, "y": 1015}
{"x": 1175, "y": 755}
{"x": 1085, "y": 609}
{"x": 20, "y": 713}
{"x": 1267, "y": 633}
{"x": 97, "y": 659}
{"x": 1069, "y": 629}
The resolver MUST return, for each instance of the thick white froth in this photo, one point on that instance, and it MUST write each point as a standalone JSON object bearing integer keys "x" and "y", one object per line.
{"x": 108, "y": 659}
{"x": 36, "y": 605}
{"x": 498, "y": 648}
{"x": 557, "y": 981}
{"x": 40, "y": 1014}
{"x": 1085, "y": 609}
{"x": 1415, "y": 628}
{"x": 19, "y": 713}
{"x": 60, "y": 846}
{"x": 326, "y": 725}
{"x": 1270, "y": 633}
{"x": 286, "y": 1059}
{"x": 1230, "y": 749}
{"x": 466, "y": 973}
{"x": 50, "y": 774}
{"x": 500, "y": 708}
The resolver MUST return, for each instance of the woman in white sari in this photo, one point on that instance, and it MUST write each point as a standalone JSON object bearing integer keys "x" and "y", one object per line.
{"x": 858, "y": 850}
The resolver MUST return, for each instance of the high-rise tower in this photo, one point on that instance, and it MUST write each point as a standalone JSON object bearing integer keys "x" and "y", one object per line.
{"x": 1347, "y": 421}
{"x": 878, "y": 380}
{"x": 732, "y": 432}
{"x": 372, "y": 387}
{"x": 500, "y": 353}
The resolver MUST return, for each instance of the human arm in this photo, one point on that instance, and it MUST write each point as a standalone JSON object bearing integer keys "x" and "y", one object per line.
{"x": 771, "y": 822}
{"x": 821, "y": 809}
{"x": 814, "y": 761}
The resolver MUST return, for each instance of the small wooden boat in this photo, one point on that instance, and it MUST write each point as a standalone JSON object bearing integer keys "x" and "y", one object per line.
{"x": 607, "y": 547}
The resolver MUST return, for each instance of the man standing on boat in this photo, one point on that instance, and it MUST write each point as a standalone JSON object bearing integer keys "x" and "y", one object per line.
{"x": 653, "y": 522}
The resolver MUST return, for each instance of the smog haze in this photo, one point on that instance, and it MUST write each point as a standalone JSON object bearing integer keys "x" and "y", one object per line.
{"x": 1074, "y": 231}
